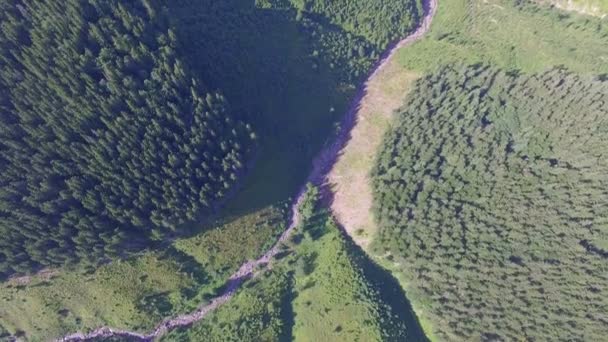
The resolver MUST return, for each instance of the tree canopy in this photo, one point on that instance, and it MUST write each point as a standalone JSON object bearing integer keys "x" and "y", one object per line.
{"x": 491, "y": 195}
{"x": 106, "y": 140}
{"x": 378, "y": 21}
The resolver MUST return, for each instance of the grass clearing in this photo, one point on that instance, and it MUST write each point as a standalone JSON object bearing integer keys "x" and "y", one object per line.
{"x": 260, "y": 312}
{"x": 323, "y": 288}
{"x": 134, "y": 293}
{"x": 527, "y": 37}
{"x": 223, "y": 248}
{"x": 323, "y": 310}
{"x": 341, "y": 295}
{"x": 138, "y": 292}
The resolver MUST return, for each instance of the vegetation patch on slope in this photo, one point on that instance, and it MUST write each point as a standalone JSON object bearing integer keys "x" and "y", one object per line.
{"x": 260, "y": 312}
{"x": 320, "y": 288}
{"x": 342, "y": 296}
{"x": 140, "y": 291}
{"x": 515, "y": 35}
{"x": 490, "y": 195}
{"x": 133, "y": 293}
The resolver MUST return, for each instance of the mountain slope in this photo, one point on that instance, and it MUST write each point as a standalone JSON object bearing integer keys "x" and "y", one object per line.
{"x": 105, "y": 137}
{"x": 490, "y": 195}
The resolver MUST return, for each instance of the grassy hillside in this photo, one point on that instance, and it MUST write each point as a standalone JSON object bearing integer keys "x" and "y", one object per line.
{"x": 322, "y": 289}
{"x": 344, "y": 296}
{"x": 117, "y": 293}
{"x": 260, "y": 312}
{"x": 512, "y": 35}
{"x": 138, "y": 292}
{"x": 490, "y": 193}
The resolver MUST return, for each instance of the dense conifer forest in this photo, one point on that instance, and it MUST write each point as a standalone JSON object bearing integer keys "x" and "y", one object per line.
{"x": 126, "y": 125}
{"x": 122, "y": 121}
{"x": 491, "y": 195}
{"x": 104, "y": 134}
{"x": 380, "y": 22}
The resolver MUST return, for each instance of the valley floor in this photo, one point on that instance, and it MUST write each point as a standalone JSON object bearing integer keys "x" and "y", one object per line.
{"x": 318, "y": 176}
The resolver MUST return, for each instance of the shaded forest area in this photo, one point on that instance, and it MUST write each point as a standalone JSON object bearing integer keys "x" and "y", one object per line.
{"x": 125, "y": 122}
{"x": 322, "y": 287}
{"x": 278, "y": 63}
{"x": 106, "y": 136}
{"x": 491, "y": 195}
{"x": 379, "y": 22}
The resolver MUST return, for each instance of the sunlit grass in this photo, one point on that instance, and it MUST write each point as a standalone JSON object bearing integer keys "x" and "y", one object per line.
{"x": 527, "y": 38}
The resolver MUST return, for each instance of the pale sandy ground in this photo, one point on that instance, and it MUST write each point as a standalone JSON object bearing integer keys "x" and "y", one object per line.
{"x": 570, "y": 5}
{"x": 350, "y": 177}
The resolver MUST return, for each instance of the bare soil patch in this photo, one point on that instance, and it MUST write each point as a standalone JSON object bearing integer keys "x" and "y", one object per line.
{"x": 44, "y": 275}
{"x": 349, "y": 178}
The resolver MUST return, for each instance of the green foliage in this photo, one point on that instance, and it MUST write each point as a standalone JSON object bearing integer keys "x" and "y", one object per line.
{"x": 109, "y": 140}
{"x": 310, "y": 200}
{"x": 135, "y": 293}
{"x": 325, "y": 289}
{"x": 262, "y": 58}
{"x": 229, "y": 243}
{"x": 515, "y": 35}
{"x": 257, "y": 313}
{"x": 140, "y": 291}
{"x": 4, "y": 333}
{"x": 490, "y": 192}
{"x": 343, "y": 296}
{"x": 380, "y": 22}
{"x": 349, "y": 56}
{"x": 349, "y": 35}
{"x": 106, "y": 139}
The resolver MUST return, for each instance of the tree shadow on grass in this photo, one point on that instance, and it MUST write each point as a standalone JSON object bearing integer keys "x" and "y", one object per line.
{"x": 287, "y": 314}
{"x": 187, "y": 264}
{"x": 389, "y": 290}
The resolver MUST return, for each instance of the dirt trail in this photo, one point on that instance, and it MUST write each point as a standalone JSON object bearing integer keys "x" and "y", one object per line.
{"x": 322, "y": 164}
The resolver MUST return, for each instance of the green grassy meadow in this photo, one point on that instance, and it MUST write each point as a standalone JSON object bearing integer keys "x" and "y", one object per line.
{"x": 523, "y": 37}
{"x": 139, "y": 292}
{"x": 321, "y": 288}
